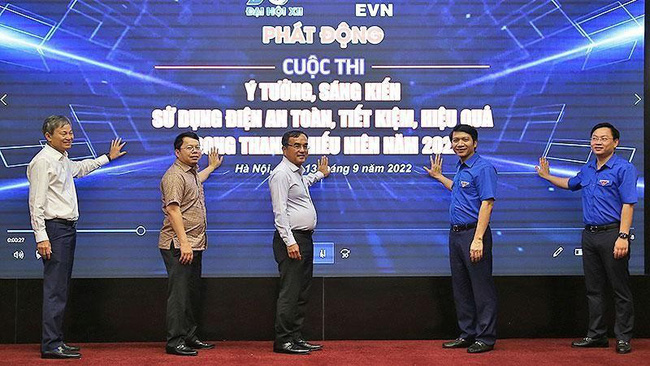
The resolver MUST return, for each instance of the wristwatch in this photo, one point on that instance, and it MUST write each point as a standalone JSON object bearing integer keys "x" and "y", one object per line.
{"x": 623, "y": 235}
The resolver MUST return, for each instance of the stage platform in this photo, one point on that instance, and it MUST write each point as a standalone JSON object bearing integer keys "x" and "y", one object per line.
{"x": 508, "y": 352}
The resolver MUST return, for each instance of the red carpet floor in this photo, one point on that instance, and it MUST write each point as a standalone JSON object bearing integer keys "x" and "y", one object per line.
{"x": 509, "y": 352}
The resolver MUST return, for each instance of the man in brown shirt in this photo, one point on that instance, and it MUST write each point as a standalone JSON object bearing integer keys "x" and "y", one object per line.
{"x": 182, "y": 241}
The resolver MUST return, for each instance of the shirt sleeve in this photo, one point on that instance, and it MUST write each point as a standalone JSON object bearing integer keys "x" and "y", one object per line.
{"x": 85, "y": 167}
{"x": 574, "y": 183}
{"x": 171, "y": 188}
{"x": 627, "y": 186}
{"x": 313, "y": 178}
{"x": 37, "y": 174}
{"x": 279, "y": 184}
{"x": 486, "y": 183}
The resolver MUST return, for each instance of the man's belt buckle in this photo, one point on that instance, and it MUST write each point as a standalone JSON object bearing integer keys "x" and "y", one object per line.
{"x": 462, "y": 227}
{"x": 597, "y": 228}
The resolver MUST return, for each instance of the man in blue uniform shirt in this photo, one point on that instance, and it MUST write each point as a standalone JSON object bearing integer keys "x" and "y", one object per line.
{"x": 470, "y": 241}
{"x": 608, "y": 185}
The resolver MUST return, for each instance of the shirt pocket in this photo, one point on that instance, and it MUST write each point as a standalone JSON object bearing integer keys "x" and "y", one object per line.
{"x": 605, "y": 183}
{"x": 587, "y": 183}
{"x": 58, "y": 175}
{"x": 587, "y": 187}
{"x": 466, "y": 184}
{"x": 296, "y": 190}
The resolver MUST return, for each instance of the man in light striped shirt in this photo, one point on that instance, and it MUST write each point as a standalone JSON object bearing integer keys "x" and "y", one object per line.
{"x": 293, "y": 247}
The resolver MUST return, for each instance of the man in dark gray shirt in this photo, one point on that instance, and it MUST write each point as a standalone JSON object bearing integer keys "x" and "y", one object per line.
{"x": 293, "y": 247}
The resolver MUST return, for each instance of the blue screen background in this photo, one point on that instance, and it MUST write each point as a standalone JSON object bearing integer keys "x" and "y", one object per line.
{"x": 556, "y": 69}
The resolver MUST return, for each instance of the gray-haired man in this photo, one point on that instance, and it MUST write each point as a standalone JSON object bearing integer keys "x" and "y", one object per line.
{"x": 54, "y": 213}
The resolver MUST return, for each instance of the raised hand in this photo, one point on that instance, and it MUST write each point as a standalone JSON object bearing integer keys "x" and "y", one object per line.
{"x": 543, "y": 168}
{"x": 323, "y": 166}
{"x": 214, "y": 159}
{"x": 436, "y": 167}
{"x": 116, "y": 149}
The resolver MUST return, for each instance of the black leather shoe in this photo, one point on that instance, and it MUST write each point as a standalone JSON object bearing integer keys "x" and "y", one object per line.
{"x": 60, "y": 353}
{"x": 197, "y": 344}
{"x": 306, "y": 345}
{"x": 623, "y": 347}
{"x": 70, "y": 348}
{"x": 458, "y": 343}
{"x": 181, "y": 350}
{"x": 588, "y": 342}
{"x": 480, "y": 347}
{"x": 290, "y": 348}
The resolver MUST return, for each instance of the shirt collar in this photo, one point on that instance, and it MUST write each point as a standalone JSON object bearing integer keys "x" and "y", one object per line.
{"x": 185, "y": 167}
{"x": 610, "y": 163}
{"x": 469, "y": 162}
{"x": 54, "y": 153}
{"x": 294, "y": 168}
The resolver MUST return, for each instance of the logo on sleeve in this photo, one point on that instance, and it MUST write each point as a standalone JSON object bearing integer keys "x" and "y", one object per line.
{"x": 464, "y": 184}
{"x": 604, "y": 182}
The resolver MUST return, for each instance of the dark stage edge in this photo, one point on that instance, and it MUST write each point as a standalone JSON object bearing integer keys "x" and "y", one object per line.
{"x": 375, "y": 308}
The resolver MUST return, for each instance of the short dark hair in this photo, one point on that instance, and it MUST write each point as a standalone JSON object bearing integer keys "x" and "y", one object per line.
{"x": 615, "y": 134}
{"x": 178, "y": 142}
{"x": 293, "y": 133}
{"x": 467, "y": 129}
{"x": 51, "y": 123}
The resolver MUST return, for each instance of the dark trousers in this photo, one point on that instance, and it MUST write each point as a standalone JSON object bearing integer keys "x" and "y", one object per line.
{"x": 183, "y": 296}
{"x": 600, "y": 269}
{"x": 295, "y": 282}
{"x": 475, "y": 295}
{"x": 56, "y": 281}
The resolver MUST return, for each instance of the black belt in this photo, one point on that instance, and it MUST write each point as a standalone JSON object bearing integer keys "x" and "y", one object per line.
{"x": 463, "y": 227}
{"x": 597, "y": 228}
{"x": 64, "y": 222}
{"x": 303, "y": 232}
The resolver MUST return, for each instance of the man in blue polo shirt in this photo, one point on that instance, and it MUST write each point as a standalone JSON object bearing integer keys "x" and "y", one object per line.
{"x": 608, "y": 185}
{"x": 470, "y": 241}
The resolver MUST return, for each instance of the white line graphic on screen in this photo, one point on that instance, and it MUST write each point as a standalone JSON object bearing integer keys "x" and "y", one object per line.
{"x": 425, "y": 67}
{"x": 586, "y": 146}
{"x": 214, "y": 67}
{"x": 593, "y": 28}
{"x": 363, "y": 230}
{"x": 568, "y": 172}
{"x": 262, "y": 182}
{"x": 108, "y": 170}
{"x": 5, "y": 158}
{"x": 623, "y": 36}
{"x": 140, "y": 231}
{"x": 7, "y": 39}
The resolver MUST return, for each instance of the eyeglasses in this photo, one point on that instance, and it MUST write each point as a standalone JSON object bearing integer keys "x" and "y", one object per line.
{"x": 191, "y": 148}
{"x": 596, "y": 139}
{"x": 299, "y": 146}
